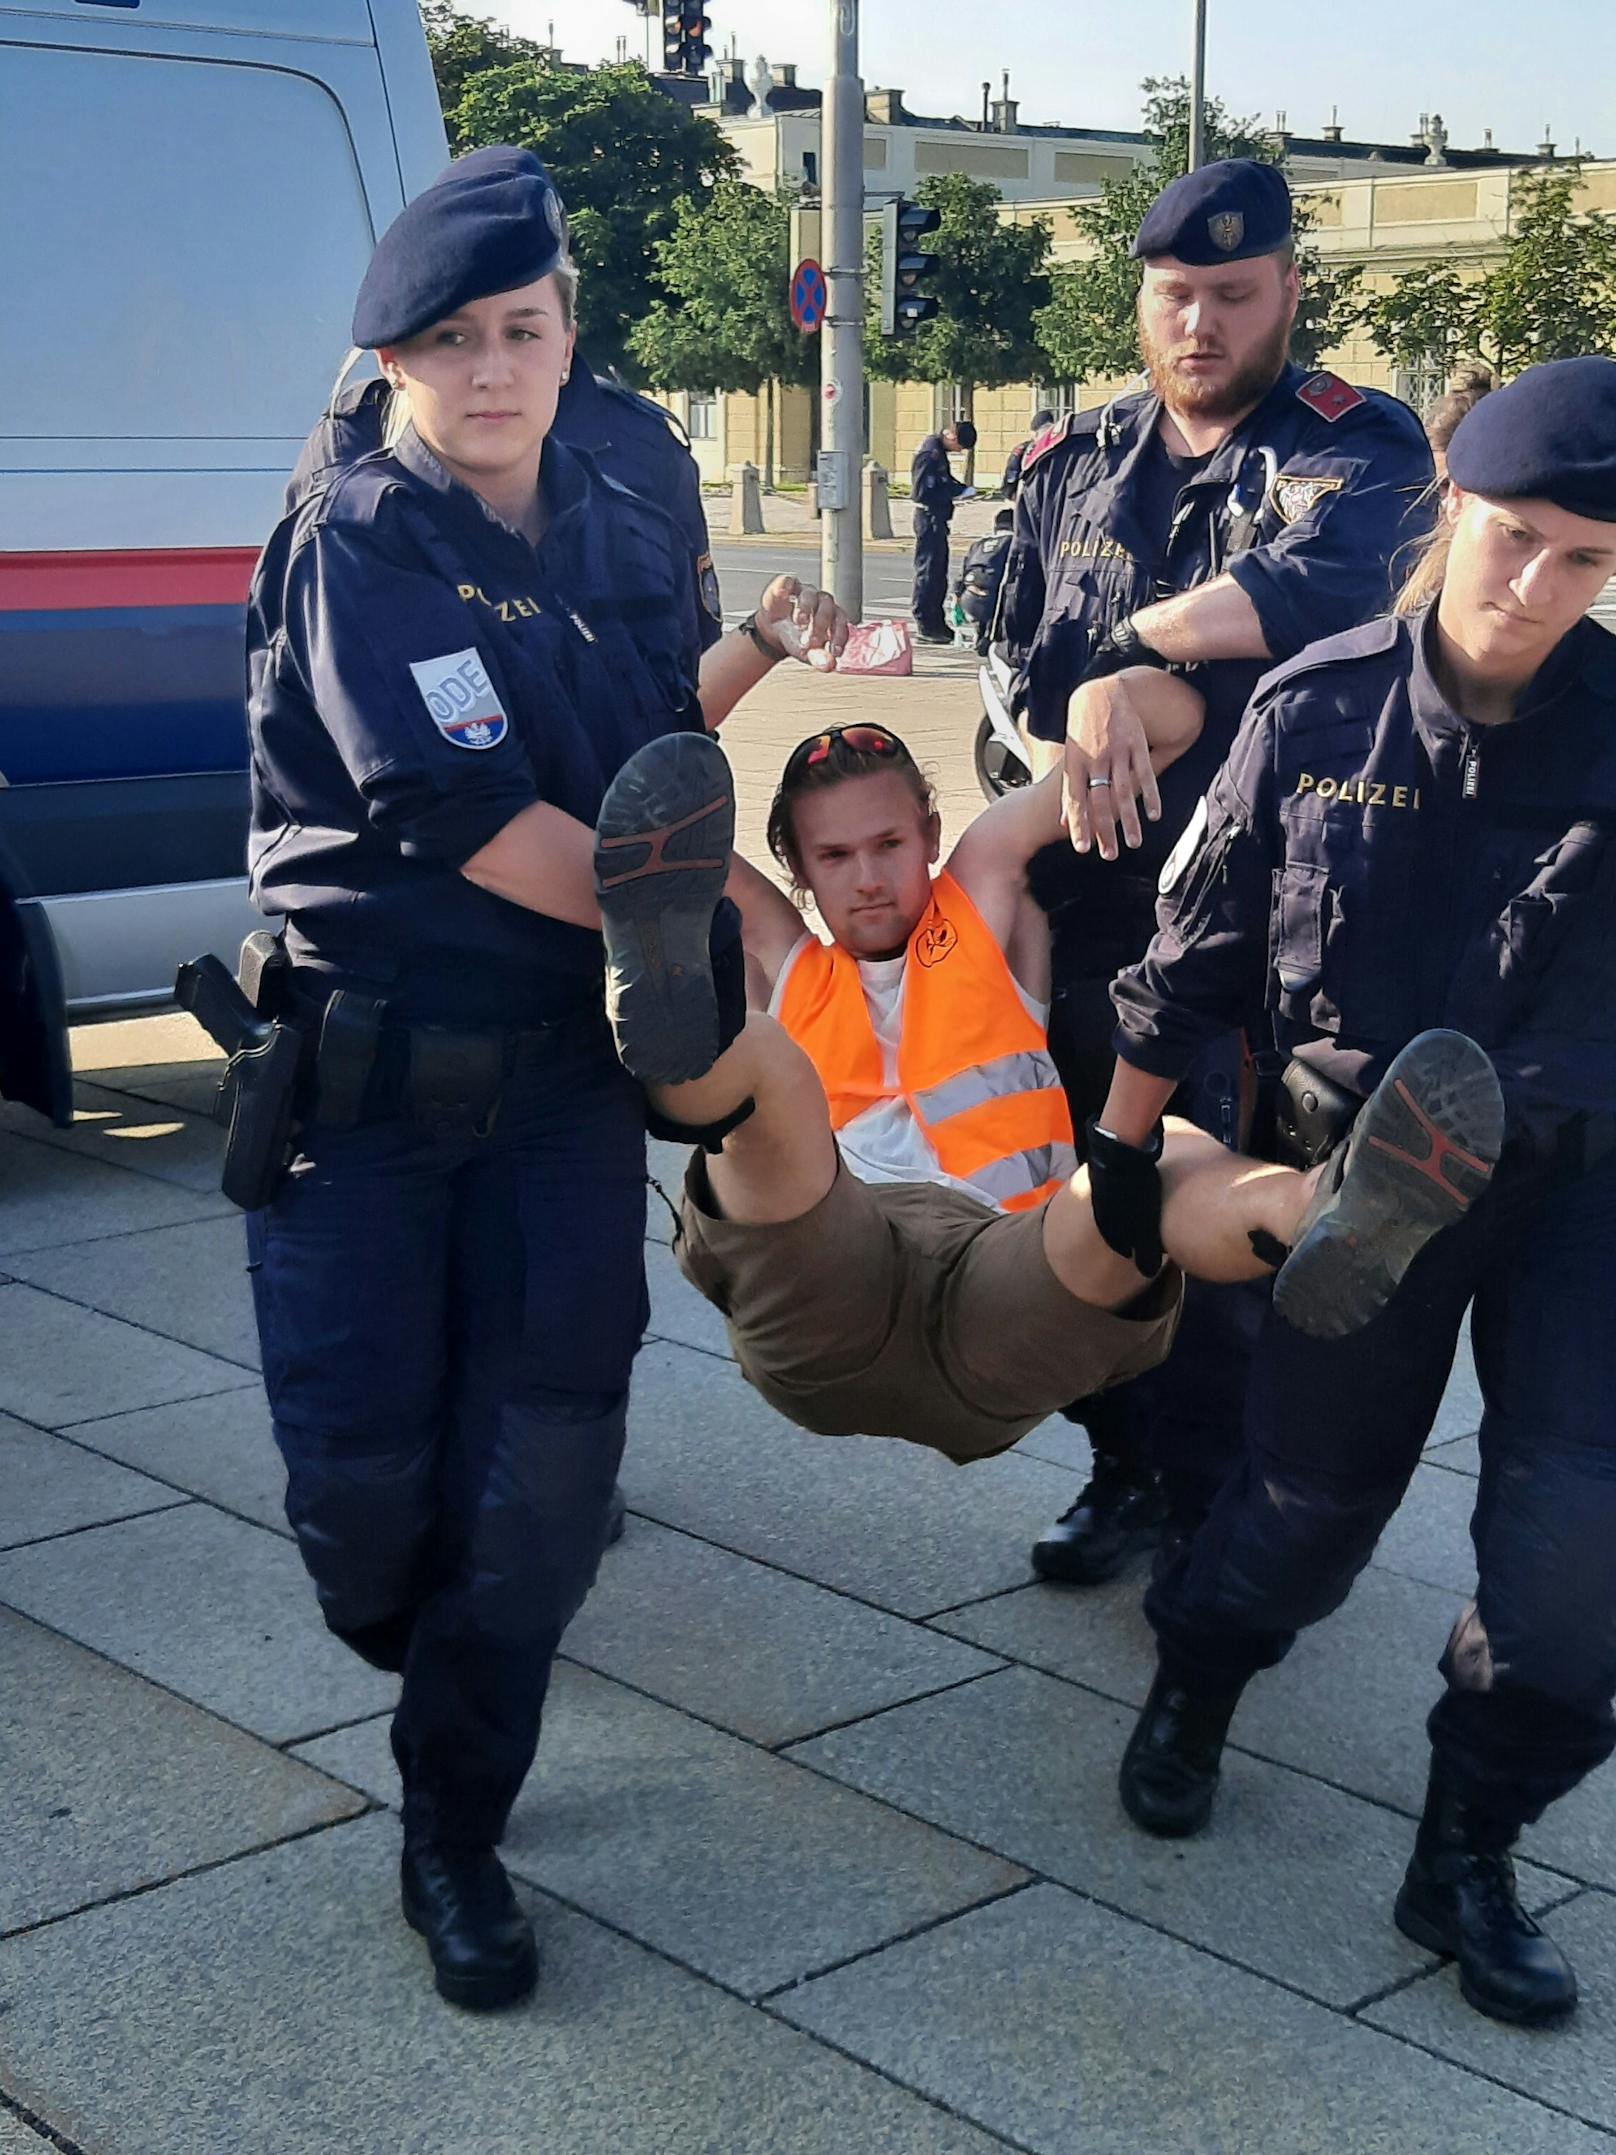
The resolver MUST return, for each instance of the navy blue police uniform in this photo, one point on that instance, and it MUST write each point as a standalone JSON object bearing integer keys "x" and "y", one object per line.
{"x": 1305, "y": 505}
{"x": 933, "y": 491}
{"x": 631, "y": 439}
{"x": 449, "y": 1282}
{"x": 1369, "y": 864}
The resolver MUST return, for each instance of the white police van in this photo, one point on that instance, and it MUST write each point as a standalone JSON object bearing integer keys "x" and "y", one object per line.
{"x": 189, "y": 192}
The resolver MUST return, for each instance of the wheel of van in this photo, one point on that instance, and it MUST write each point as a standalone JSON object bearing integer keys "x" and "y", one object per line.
{"x": 997, "y": 770}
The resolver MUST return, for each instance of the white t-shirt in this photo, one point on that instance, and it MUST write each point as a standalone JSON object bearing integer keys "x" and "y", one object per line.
{"x": 885, "y": 1143}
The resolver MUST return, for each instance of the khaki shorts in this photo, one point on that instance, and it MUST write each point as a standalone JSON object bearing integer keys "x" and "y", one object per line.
{"x": 907, "y": 1310}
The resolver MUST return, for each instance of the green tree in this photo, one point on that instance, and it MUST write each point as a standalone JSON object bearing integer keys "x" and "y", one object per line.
{"x": 463, "y": 45}
{"x": 726, "y": 320}
{"x": 1087, "y": 329}
{"x": 1425, "y": 320}
{"x": 624, "y": 156}
{"x": 1554, "y": 294}
{"x": 991, "y": 280}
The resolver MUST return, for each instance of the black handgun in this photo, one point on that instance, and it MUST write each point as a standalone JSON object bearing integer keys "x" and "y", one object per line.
{"x": 258, "y": 1092}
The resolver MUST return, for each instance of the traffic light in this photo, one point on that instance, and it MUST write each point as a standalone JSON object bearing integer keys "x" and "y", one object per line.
{"x": 904, "y": 305}
{"x": 685, "y": 50}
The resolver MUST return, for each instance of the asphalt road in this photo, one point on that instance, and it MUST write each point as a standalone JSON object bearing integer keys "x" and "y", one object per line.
{"x": 744, "y": 570}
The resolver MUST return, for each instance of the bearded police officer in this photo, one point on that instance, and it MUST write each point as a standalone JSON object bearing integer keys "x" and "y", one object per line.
{"x": 1237, "y": 509}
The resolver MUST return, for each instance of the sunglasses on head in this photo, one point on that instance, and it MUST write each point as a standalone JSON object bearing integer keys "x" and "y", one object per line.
{"x": 863, "y": 740}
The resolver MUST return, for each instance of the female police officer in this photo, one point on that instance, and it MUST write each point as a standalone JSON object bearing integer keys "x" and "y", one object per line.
{"x": 1414, "y": 828}
{"x": 453, "y": 647}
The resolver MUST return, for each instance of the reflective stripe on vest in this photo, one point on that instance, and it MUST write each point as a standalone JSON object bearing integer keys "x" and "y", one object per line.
{"x": 973, "y": 1066}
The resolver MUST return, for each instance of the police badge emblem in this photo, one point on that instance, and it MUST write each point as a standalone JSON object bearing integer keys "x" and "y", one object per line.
{"x": 462, "y": 700}
{"x": 1226, "y": 230}
{"x": 707, "y": 583}
{"x": 1292, "y": 497}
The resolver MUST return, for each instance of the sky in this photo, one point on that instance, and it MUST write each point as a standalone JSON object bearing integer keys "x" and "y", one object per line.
{"x": 1511, "y": 65}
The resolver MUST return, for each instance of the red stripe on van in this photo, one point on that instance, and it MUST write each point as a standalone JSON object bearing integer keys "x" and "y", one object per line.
{"x": 160, "y": 576}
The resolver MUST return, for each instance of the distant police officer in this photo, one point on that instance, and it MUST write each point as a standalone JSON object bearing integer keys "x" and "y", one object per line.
{"x": 453, "y": 647}
{"x": 1232, "y": 513}
{"x": 934, "y": 491}
{"x": 1417, "y": 827}
{"x": 1017, "y": 457}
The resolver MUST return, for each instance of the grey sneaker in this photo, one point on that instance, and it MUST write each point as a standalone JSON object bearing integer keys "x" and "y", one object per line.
{"x": 1421, "y": 1151}
{"x": 662, "y": 854}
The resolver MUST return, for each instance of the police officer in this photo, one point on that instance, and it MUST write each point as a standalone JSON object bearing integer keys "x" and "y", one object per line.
{"x": 633, "y": 440}
{"x": 1014, "y": 461}
{"x": 453, "y": 646}
{"x": 934, "y": 491}
{"x": 1231, "y": 513}
{"x": 981, "y": 577}
{"x": 1417, "y": 826}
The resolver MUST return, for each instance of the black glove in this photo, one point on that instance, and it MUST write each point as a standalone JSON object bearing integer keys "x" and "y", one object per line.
{"x": 1126, "y": 1189}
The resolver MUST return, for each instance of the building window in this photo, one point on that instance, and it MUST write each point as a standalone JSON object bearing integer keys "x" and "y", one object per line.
{"x": 950, "y": 404}
{"x": 1419, "y": 386}
{"x": 701, "y": 422}
{"x": 1061, "y": 398}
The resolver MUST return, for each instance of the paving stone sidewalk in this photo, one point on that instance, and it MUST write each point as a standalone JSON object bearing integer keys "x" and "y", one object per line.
{"x": 823, "y": 1843}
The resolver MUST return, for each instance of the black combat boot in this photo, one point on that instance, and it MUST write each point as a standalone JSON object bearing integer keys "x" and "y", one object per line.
{"x": 1459, "y": 1897}
{"x": 1119, "y": 1513}
{"x": 460, "y": 1900}
{"x": 1169, "y": 1772}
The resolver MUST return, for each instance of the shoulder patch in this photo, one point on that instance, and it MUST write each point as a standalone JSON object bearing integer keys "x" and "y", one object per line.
{"x": 1294, "y": 493}
{"x": 1041, "y": 444}
{"x": 461, "y": 699}
{"x": 1329, "y": 396}
{"x": 707, "y": 584}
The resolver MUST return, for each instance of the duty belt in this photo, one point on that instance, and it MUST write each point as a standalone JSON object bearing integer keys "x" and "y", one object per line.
{"x": 367, "y": 1067}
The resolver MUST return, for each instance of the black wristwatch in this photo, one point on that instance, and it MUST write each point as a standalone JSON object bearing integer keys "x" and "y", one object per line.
{"x": 1123, "y": 646}
{"x": 750, "y": 629}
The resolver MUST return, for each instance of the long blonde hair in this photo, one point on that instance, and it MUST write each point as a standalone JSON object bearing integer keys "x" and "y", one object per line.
{"x": 1427, "y": 558}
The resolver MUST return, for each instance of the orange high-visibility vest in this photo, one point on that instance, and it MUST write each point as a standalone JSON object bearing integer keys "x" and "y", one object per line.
{"x": 973, "y": 1067}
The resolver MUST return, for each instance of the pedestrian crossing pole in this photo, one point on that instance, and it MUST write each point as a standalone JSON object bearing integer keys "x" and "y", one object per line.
{"x": 841, "y": 342}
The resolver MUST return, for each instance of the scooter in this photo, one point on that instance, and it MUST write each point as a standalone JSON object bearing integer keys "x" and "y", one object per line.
{"x": 1001, "y": 754}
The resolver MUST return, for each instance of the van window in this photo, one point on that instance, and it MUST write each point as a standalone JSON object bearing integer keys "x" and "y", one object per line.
{"x": 235, "y": 323}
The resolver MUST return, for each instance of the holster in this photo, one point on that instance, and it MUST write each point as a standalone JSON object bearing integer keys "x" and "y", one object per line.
{"x": 258, "y": 1106}
{"x": 259, "y": 1092}
{"x": 1311, "y": 1114}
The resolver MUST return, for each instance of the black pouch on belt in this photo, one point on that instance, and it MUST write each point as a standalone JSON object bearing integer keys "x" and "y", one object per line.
{"x": 455, "y": 1079}
{"x": 350, "y": 1034}
{"x": 1311, "y": 1115}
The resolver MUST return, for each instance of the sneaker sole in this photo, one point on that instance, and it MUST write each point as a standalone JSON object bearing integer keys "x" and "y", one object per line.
{"x": 1435, "y": 1939}
{"x": 1421, "y": 1152}
{"x": 481, "y": 1993}
{"x": 662, "y": 855}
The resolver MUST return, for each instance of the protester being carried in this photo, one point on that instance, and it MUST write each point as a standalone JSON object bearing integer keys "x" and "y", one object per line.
{"x": 887, "y": 1207}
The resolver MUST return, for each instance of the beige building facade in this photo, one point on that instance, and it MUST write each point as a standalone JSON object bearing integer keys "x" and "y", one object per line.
{"x": 1385, "y": 208}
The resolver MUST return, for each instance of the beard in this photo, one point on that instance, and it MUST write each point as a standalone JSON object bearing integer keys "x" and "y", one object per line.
{"x": 1215, "y": 400}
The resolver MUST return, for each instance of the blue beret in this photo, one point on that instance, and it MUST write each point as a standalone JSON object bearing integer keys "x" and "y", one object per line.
{"x": 1225, "y": 212}
{"x": 1549, "y": 435}
{"x": 489, "y": 223}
